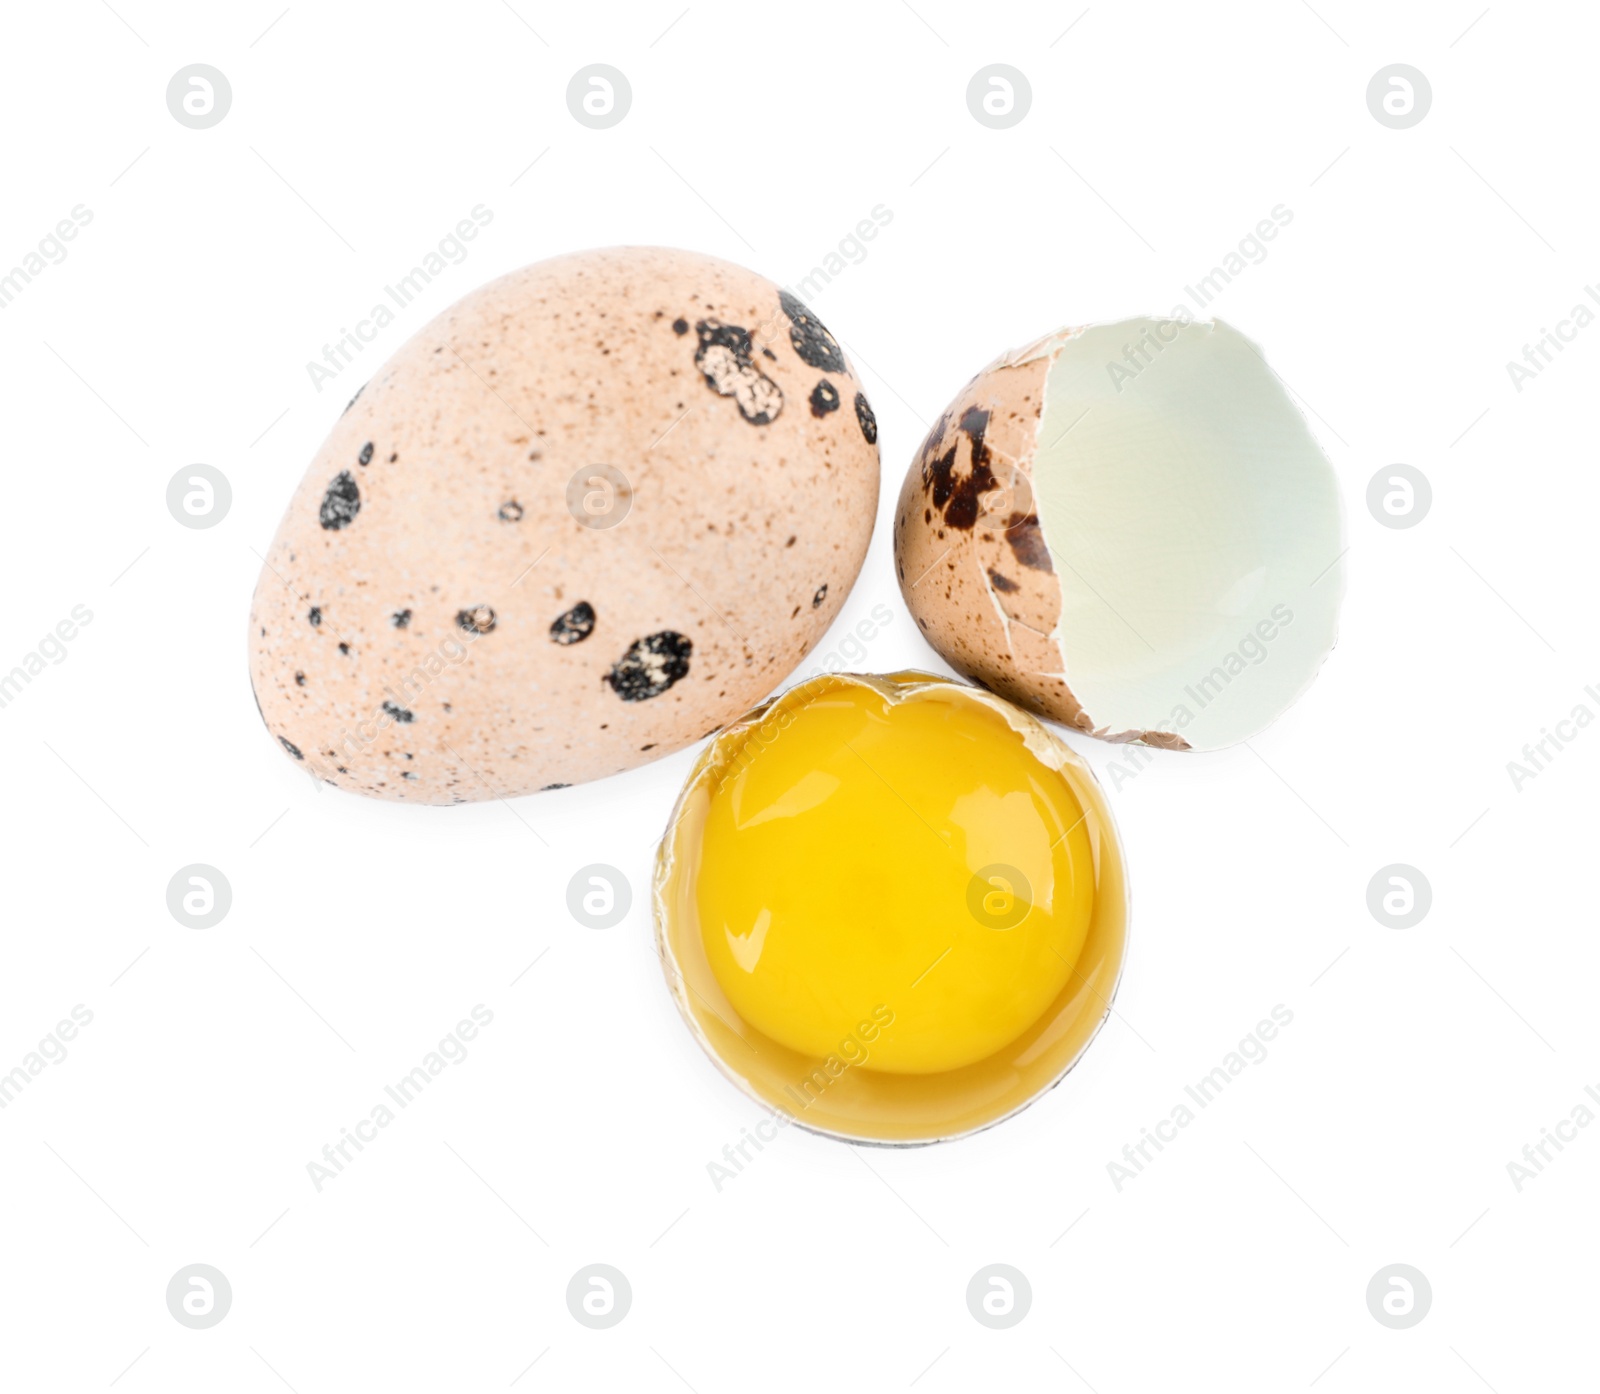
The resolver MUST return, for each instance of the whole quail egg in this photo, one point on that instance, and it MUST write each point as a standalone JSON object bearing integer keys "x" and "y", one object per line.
{"x": 593, "y": 511}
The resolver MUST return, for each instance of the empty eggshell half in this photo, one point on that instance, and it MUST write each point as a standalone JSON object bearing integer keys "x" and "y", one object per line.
{"x": 1128, "y": 528}
{"x": 590, "y": 513}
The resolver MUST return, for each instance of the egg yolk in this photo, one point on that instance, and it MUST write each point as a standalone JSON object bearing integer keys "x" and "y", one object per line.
{"x": 900, "y": 880}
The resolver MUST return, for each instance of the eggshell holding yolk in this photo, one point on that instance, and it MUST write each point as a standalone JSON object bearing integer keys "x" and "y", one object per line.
{"x": 435, "y": 622}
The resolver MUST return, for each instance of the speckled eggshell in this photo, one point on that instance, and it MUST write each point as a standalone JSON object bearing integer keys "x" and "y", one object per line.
{"x": 436, "y": 623}
{"x": 969, "y": 552}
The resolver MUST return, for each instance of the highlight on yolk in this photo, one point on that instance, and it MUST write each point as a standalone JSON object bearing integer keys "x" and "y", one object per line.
{"x": 891, "y": 907}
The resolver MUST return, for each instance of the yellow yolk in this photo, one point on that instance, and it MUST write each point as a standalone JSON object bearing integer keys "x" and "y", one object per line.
{"x": 898, "y": 883}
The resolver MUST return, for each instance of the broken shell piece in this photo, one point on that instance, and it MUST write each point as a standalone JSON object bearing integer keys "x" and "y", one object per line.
{"x": 1128, "y": 528}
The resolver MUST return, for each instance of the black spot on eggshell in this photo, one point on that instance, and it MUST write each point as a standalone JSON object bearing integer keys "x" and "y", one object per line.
{"x": 314, "y": 614}
{"x": 824, "y": 398}
{"x": 299, "y": 679}
{"x": 399, "y": 713}
{"x": 510, "y": 512}
{"x": 341, "y": 503}
{"x": 547, "y": 787}
{"x": 975, "y": 421}
{"x": 477, "y": 619}
{"x": 291, "y": 747}
{"x": 820, "y": 596}
{"x": 365, "y": 457}
{"x": 1002, "y": 583}
{"x": 679, "y": 326}
{"x": 344, "y": 649}
{"x": 650, "y": 666}
{"x": 936, "y": 477}
{"x": 576, "y": 625}
{"x": 810, "y": 336}
{"x": 723, "y": 359}
{"x": 400, "y": 619}
{"x": 957, "y": 496}
{"x": 867, "y": 421}
{"x": 962, "y": 511}
{"x": 352, "y": 401}
{"x": 1027, "y": 541}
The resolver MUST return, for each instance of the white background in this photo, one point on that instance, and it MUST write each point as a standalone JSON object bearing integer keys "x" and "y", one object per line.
{"x": 1419, "y": 1062}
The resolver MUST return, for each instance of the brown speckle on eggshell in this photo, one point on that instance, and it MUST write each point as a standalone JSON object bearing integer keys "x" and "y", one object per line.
{"x": 957, "y": 525}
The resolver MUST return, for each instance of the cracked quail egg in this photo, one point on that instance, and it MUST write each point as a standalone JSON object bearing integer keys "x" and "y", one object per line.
{"x": 1127, "y": 528}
